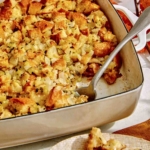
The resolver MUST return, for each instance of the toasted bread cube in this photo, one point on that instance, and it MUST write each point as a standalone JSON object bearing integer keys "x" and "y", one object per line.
{"x": 111, "y": 76}
{"x": 5, "y": 113}
{"x": 95, "y": 139}
{"x": 5, "y": 13}
{"x": 91, "y": 69}
{"x": 34, "y": 8}
{"x": 44, "y": 25}
{"x": 109, "y": 37}
{"x": 8, "y": 3}
{"x": 86, "y": 7}
{"x": 20, "y": 105}
{"x": 112, "y": 72}
{"x": 2, "y": 35}
{"x": 57, "y": 98}
{"x": 61, "y": 25}
{"x": 29, "y": 19}
{"x": 4, "y": 60}
{"x": 87, "y": 57}
{"x": 102, "y": 49}
{"x": 35, "y": 33}
{"x": 58, "y": 16}
{"x": 60, "y": 64}
{"x": 16, "y": 25}
{"x": 67, "y": 5}
{"x": 24, "y": 5}
{"x": 16, "y": 37}
{"x": 54, "y": 96}
{"x": 79, "y": 19}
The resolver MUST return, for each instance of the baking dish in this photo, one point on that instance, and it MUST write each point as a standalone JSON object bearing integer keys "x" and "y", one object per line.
{"x": 113, "y": 102}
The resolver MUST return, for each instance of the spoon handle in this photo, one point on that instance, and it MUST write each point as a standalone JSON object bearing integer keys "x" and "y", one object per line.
{"x": 142, "y": 22}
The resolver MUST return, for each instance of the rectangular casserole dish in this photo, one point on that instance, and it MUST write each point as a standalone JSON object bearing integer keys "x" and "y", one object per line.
{"x": 113, "y": 102}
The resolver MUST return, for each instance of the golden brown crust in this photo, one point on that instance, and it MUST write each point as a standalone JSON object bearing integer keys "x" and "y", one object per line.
{"x": 91, "y": 70}
{"x": 35, "y": 33}
{"x": 44, "y": 25}
{"x": 112, "y": 73}
{"x": 16, "y": 26}
{"x": 20, "y": 105}
{"x": 79, "y": 19}
{"x": 2, "y": 35}
{"x": 21, "y": 101}
{"x": 54, "y": 95}
{"x": 58, "y": 16}
{"x": 24, "y": 4}
{"x": 60, "y": 64}
{"x": 58, "y": 98}
{"x": 86, "y": 7}
{"x": 111, "y": 76}
{"x": 34, "y": 8}
{"x": 102, "y": 49}
{"x": 5, "y": 13}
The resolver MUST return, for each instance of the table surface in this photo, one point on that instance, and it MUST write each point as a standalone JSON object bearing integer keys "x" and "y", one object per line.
{"x": 141, "y": 113}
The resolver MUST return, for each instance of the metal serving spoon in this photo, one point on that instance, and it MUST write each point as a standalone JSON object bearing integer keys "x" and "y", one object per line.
{"x": 142, "y": 22}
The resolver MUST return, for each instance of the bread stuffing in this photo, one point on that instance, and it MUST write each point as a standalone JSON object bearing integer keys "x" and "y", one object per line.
{"x": 46, "y": 47}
